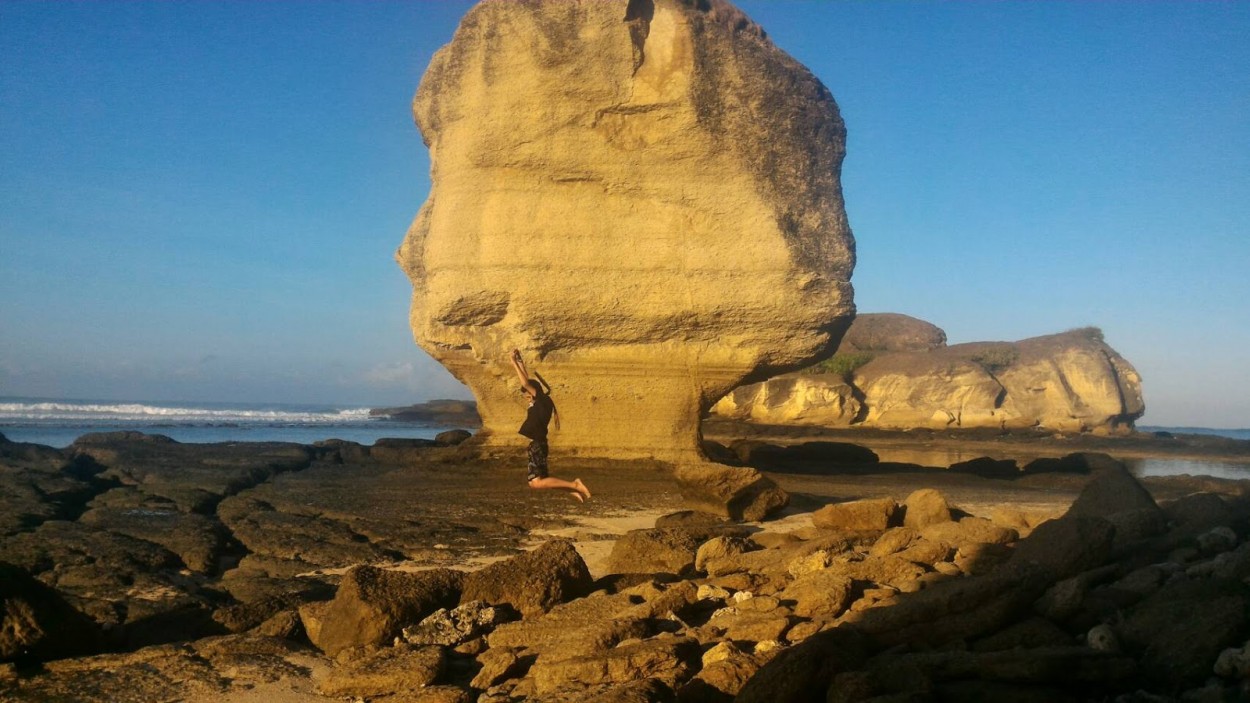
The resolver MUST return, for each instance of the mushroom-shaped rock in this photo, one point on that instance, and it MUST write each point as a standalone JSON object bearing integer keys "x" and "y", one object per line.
{"x": 641, "y": 195}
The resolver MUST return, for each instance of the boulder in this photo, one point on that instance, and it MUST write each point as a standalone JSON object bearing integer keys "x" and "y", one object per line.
{"x": 1115, "y": 495}
{"x": 925, "y": 507}
{"x": 590, "y": 624}
{"x": 987, "y": 467}
{"x": 627, "y": 152}
{"x": 894, "y": 540}
{"x": 756, "y": 627}
{"x": 666, "y": 658}
{"x": 433, "y": 694}
{"x": 395, "y": 669}
{"x": 531, "y": 582}
{"x": 720, "y": 679}
{"x": 658, "y": 550}
{"x": 36, "y": 624}
{"x": 819, "y": 594}
{"x": 883, "y": 332}
{"x": 373, "y": 605}
{"x": 240, "y": 617}
{"x": 498, "y": 664}
{"x": 643, "y": 691}
{"x": 969, "y": 529}
{"x": 1070, "y": 665}
{"x": 451, "y": 438}
{"x": 1113, "y": 489}
{"x": 928, "y": 552}
{"x": 1030, "y": 633}
{"x": 869, "y": 514}
{"x": 693, "y": 519}
{"x": 955, "y": 610}
{"x": 802, "y": 673}
{"x": 1180, "y": 630}
{"x": 734, "y": 492}
{"x": 893, "y": 571}
{"x": 449, "y": 628}
{"x": 1200, "y": 511}
{"x": 794, "y": 456}
{"x": 722, "y": 548}
{"x": 1068, "y": 546}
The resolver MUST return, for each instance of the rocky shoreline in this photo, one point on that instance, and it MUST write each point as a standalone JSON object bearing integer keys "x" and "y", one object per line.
{"x": 137, "y": 568}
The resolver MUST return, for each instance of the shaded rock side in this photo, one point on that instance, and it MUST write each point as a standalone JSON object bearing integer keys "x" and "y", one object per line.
{"x": 644, "y": 198}
{"x": 532, "y": 582}
{"x": 36, "y": 624}
{"x": 1068, "y": 382}
{"x": 884, "y": 332}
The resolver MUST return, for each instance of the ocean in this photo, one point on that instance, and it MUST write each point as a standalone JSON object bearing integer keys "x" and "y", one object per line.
{"x": 57, "y": 423}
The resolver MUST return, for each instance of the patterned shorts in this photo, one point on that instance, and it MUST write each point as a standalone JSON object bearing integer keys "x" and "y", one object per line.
{"x": 538, "y": 459}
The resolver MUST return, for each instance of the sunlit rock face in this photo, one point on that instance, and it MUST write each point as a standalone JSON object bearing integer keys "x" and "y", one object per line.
{"x": 1068, "y": 382}
{"x": 643, "y": 197}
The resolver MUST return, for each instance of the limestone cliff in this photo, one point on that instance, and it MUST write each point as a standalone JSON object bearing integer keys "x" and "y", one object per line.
{"x": 1070, "y": 382}
{"x": 643, "y": 197}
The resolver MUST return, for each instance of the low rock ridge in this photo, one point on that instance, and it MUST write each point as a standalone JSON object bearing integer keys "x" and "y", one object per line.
{"x": 901, "y": 375}
{"x": 1118, "y": 597}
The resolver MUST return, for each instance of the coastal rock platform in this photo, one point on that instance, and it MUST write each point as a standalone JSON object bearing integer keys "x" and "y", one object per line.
{"x": 1041, "y": 567}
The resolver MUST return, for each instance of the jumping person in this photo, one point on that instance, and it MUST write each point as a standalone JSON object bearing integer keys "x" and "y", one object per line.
{"x": 539, "y": 414}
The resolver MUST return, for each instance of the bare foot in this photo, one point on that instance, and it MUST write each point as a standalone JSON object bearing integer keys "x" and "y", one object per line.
{"x": 581, "y": 487}
{"x": 577, "y": 496}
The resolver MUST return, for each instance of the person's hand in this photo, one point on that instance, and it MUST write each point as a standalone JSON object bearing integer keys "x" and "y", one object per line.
{"x": 516, "y": 355}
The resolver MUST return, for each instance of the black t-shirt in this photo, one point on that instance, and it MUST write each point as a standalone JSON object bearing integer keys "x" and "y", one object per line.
{"x": 537, "y": 417}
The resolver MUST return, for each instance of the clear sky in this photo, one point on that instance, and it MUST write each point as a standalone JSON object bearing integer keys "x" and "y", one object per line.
{"x": 201, "y": 201}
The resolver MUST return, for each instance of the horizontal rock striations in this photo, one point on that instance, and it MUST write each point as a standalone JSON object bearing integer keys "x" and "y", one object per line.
{"x": 1068, "y": 382}
{"x": 642, "y": 196}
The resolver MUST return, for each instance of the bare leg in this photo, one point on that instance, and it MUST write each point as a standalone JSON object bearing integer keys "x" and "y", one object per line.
{"x": 577, "y": 489}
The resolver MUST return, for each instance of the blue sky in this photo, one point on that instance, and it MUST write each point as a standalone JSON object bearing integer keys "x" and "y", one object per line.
{"x": 201, "y": 201}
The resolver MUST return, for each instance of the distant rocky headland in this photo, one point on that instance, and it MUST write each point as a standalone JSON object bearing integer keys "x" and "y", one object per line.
{"x": 448, "y": 413}
{"x": 894, "y": 371}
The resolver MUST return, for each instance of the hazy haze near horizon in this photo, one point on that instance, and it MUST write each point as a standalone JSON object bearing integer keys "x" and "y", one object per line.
{"x": 201, "y": 201}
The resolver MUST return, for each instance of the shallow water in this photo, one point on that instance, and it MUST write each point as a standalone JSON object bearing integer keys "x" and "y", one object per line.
{"x": 1193, "y": 467}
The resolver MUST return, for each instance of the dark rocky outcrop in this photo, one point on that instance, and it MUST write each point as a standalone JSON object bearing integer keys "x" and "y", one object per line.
{"x": 1130, "y": 590}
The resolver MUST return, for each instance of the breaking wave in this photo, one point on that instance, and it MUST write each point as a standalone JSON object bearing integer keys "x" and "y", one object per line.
{"x": 44, "y": 412}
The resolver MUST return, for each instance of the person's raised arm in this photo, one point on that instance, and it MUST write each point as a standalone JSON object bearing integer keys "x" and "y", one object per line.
{"x": 519, "y": 366}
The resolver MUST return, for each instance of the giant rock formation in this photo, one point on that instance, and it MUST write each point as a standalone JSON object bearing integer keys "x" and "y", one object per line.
{"x": 644, "y": 198}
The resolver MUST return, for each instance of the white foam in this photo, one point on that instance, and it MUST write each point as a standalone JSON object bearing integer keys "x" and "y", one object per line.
{"x": 54, "y": 411}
